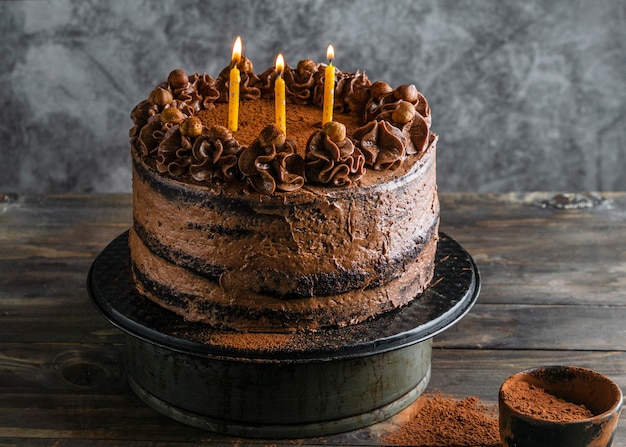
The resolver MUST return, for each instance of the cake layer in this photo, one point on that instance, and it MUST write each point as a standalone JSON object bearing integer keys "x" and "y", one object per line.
{"x": 319, "y": 256}
{"x": 198, "y": 299}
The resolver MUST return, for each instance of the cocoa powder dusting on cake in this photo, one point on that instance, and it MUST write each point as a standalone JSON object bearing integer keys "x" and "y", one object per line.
{"x": 441, "y": 421}
{"x": 302, "y": 121}
{"x": 253, "y": 341}
{"x": 533, "y": 400}
{"x": 265, "y": 343}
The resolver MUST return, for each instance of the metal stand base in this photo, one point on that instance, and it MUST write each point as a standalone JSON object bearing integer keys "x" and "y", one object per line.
{"x": 238, "y": 428}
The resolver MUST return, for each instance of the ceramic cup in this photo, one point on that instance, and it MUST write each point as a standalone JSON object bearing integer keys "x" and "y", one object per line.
{"x": 525, "y": 423}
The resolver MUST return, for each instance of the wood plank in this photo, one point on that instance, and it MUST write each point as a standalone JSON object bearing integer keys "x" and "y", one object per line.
{"x": 497, "y": 326}
{"x": 472, "y": 372}
{"x": 597, "y": 277}
{"x": 111, "y": 417}
{"x": 531, "y": 254}
{"x": 521, "y": 326}
{"x": 52, "y": 319}
{"x": 53, "y": 226}
{"x": 78, "y": 368}
{"x": 98, "y": 369}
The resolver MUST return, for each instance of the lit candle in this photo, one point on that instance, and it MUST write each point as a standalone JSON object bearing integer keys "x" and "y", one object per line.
{"x": 279, "y": 95}
{"x": 329, "y": 87}
{"x": 233, "y": 88}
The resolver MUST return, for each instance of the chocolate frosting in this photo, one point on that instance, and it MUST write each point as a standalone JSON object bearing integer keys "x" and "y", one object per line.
{"x": 381, "y": 143}
{"x": 139, "y": 115}
{"x": 187, "y": 99}
{"x": 174, "y": 152}
{"x": 271, "y": 167}
{"x": 419, "y": 133}
{"x": 214, "y": 156}
{"x": 206, "y": 87}
{"x": 346, "y": 86}
{"x": 299, "y": 81}
{"x": 318, "y": 257}
{"x": 335, "y": 163}
{"x": 150, "y": 136}
{"x": 377, "y": 105}
{"x": 226, "y": 234}
{"x": 249, "y": 85}
{"x": 266, "y": 81}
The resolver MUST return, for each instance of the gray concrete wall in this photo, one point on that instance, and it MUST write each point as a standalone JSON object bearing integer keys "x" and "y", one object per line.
{"x": 526, "y": 95}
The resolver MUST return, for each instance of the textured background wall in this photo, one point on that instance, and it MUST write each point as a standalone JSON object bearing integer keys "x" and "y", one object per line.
{"x": 526, "y": 95}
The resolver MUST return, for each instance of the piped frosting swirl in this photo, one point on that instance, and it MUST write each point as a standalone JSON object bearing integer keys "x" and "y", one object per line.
{"x": 215, "y": 156}
{"x": 332, "y": 158}
{"x": 271, "y": 163}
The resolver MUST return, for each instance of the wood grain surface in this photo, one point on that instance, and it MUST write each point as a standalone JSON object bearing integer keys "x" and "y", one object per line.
{"x": 553, "y": 270}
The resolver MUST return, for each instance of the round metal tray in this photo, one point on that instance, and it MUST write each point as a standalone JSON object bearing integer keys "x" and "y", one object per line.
{"x": 281, "y": 385}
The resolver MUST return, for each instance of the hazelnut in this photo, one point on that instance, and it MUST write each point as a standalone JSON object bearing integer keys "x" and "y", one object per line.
{"x": 160, "y": 97}
{"x": 335, "y": 131}
{"x": 404, "y": 112}
{"x": 306, "y": 65}
{"x": 178, "y": 79}
{"x": 172, "y": 115}
{"x": 406, "y": 93}
{"x": 272, "y": 135}
{"x": 220, "y": 133}
{"x": 379, "y": 88}
{"x": 191, "y": 127}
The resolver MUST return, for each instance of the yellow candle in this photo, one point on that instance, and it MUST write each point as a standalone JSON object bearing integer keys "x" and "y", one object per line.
{"x": 329, "y": 87}
{"x": 279, "y": 95}
{"x": 233, "y": 88}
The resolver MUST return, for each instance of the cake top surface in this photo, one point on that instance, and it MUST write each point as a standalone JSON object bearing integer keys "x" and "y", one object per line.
{"x": 180, "y": 130}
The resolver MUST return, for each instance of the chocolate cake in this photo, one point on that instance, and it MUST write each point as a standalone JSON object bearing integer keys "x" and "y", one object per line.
{"x": 255, "y": 230}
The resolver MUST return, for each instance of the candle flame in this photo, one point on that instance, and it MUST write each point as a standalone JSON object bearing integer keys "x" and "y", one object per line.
{"x": 280, "y": 63}
{"x": 330, "y": 53}
{"x": 237, "y": 49}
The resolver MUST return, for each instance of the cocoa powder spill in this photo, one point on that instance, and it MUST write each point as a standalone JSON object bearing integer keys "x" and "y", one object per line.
{"x": 441, "y": 421}
{"x": 533, "y": 400}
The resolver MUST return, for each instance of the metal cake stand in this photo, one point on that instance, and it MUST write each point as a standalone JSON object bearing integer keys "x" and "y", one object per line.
{"x": 281, "y": 385}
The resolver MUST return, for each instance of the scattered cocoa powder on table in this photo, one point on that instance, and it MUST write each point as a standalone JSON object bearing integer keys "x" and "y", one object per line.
{"x": 442, "y": 421}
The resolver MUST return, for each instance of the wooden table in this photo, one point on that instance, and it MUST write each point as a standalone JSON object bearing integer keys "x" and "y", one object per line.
{"x": 553, "y": 272}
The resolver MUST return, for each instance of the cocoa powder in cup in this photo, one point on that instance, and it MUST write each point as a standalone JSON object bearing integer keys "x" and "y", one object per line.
{"x": 535, "y": 401}
{"x": 558, "y": 406}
